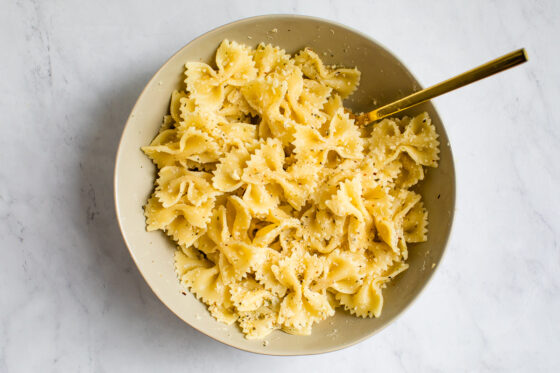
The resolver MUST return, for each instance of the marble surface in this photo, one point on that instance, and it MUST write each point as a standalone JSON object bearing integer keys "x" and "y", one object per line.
{"x": 72, "y": 299}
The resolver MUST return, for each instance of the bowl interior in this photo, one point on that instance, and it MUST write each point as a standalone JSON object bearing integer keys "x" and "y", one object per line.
{"x": 384, "y": 79}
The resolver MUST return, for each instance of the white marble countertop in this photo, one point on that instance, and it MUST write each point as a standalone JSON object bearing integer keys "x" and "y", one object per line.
{"x": 72, "y": 299}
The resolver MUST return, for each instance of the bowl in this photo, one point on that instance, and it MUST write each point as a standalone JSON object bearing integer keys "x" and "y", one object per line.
{"x": 384, "y": 79}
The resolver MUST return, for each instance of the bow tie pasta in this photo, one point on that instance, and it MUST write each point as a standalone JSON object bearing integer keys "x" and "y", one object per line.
{"x": 282, "y": 209}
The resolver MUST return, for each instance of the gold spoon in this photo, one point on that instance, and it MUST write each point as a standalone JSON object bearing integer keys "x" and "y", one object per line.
{"x": 490, "y": 68}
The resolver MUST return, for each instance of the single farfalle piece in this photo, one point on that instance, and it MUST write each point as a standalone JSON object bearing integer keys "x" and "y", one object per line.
{"x": 343, "y": 81}
{"x": 228, "y": 173}
{"x": 228, "y": 229}
{"x": 344, "y": 272}
{"x": 302, "y": 306}
{"x": 204, "y": 280}
{"x": 368, "y": 300}
{"x": 348, "y": 199}
{"x": 415, "y": 136}
{"x": 331, "y": 178}
{"x": 265, "y": 96}
{"x": 322, "y": 230}
{"x": 265, "y": 275}
{"x": 341, "y": 136}
{"x": 177, "y": 183}
{"x": 270, "y": 232}
{"x": 306, "y": 99}
{"x": 249, "y": 295}
{"x": 421, "y": 142}
{"x": 410, "y": 172}
{"x": 415, "y": 224}
{"x": 378, "y": 257}
{"x": 238, "y": 135}
{"x": 269, "y": 58}
{"x": 259, "y": 323}
{"x": 179, "y": 103}
{"x": 208, "y": 86}
{"x": 172, "y": 146}
{"x": 268, "y": 165}
{"x": 235, "y": 63}
{"x": 389, "y": 216}
{"x": 260, "y": 199}
{"x": 205, "y": 85}
{"x": 159, "y": 217}
{"x": 235, "y": 108}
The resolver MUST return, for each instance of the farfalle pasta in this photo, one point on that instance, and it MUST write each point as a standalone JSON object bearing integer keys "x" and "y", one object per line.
{"x": 282, "y": 208}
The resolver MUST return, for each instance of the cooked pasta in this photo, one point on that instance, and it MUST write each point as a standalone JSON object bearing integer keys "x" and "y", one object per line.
{"x": 282, "y": 209}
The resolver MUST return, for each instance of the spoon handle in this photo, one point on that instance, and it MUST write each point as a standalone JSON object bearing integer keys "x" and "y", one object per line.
{"x": 490, "y": 68}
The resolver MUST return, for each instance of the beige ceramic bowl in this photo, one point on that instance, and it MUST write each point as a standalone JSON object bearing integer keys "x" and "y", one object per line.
{"x": 384, "y": 78}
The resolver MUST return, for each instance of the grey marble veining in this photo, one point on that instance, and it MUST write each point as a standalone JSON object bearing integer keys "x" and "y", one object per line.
{"x": 72, "y": 299}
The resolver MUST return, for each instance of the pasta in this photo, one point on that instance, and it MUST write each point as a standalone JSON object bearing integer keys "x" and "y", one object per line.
{"x": 282, "y": 208}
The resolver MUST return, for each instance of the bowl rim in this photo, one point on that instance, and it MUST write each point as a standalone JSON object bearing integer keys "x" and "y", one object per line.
{"x": 265, "y": 17}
